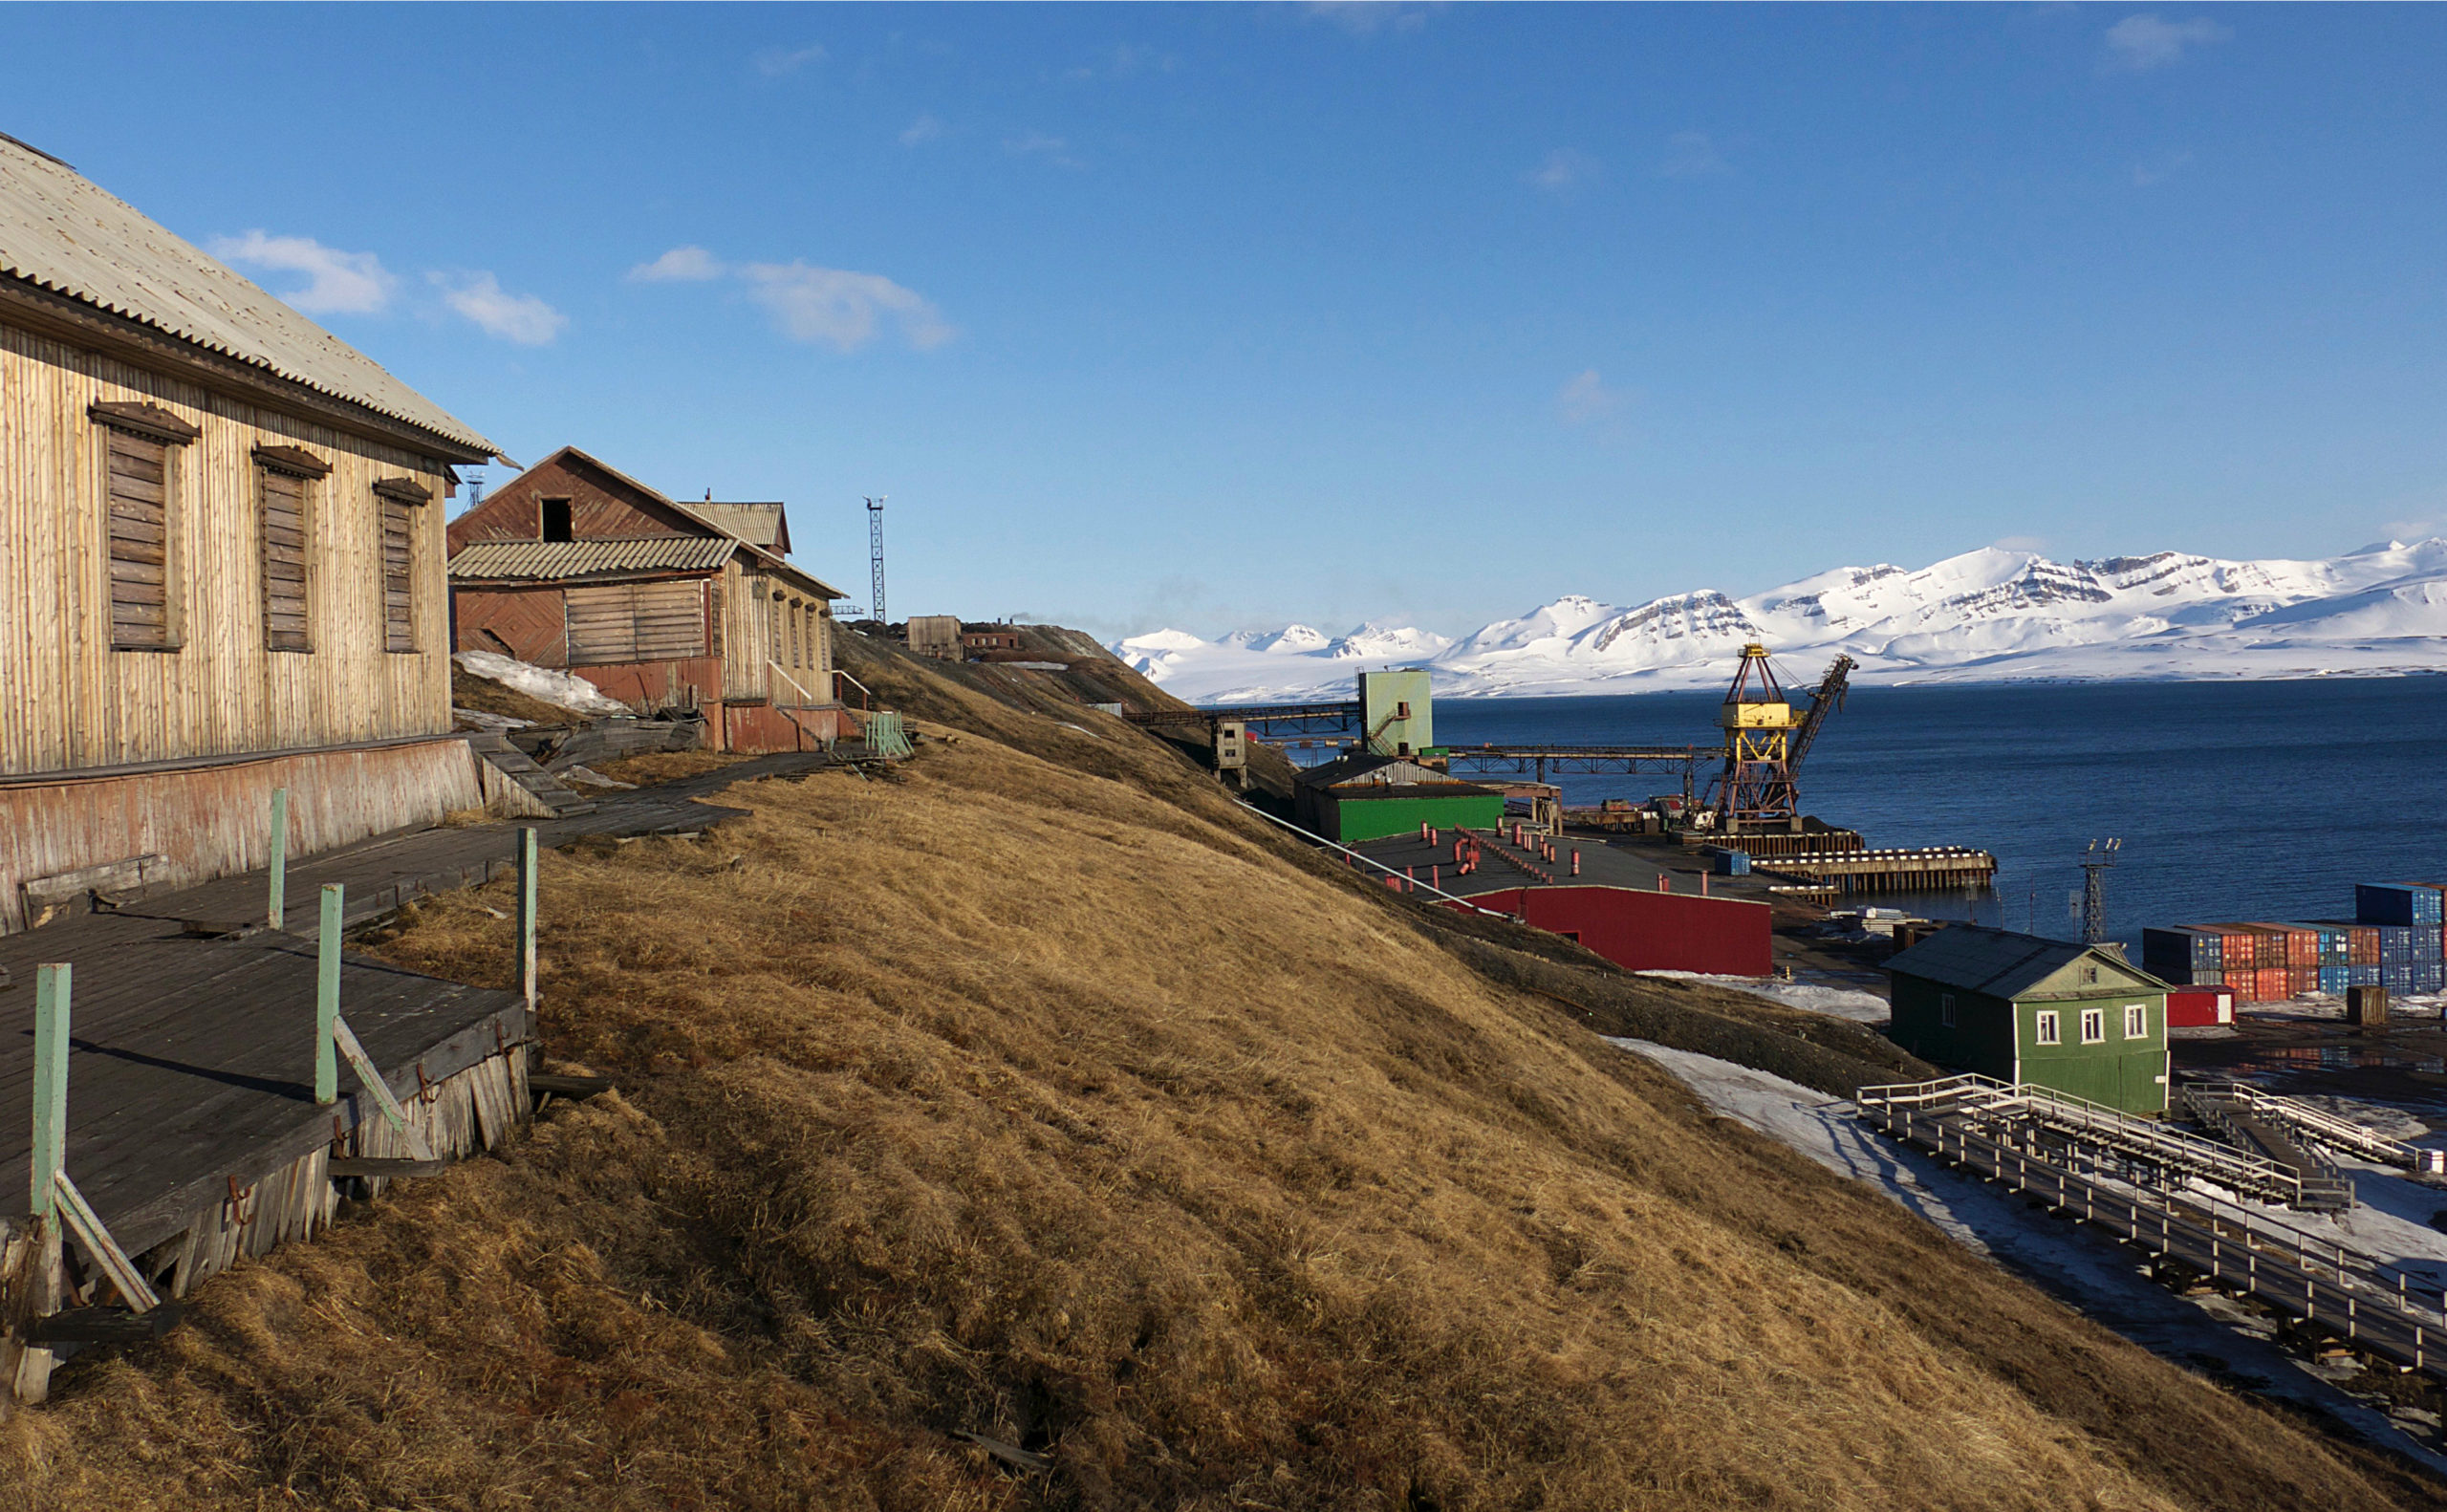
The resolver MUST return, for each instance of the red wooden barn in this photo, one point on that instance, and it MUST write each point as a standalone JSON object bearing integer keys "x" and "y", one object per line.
{"x": 1646, "y": 931}
{"x": 663, "y": 605}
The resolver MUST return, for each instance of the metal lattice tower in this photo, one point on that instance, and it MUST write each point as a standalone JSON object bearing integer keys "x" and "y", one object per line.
{"x": 2096, "y": 859}
{"x": 875, "y": 554}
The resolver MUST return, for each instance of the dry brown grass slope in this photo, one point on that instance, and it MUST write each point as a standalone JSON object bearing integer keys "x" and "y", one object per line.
{"x": 1067, "y": 1107}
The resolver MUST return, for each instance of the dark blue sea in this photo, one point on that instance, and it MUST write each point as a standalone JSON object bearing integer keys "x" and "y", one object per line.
{"x": 2234, "y": 800}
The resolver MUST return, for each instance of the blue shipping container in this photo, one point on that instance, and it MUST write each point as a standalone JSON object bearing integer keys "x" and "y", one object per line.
{"x": 2428, "y": 976}
{"x": 2396, "y": 904}
{"x": 2396, "y": 976}
{"x": 2362, "y": 976}
{"x": 2180, "y": 954}
{"x": 2395, "y": 941}
{"x": 2332, "y": 980}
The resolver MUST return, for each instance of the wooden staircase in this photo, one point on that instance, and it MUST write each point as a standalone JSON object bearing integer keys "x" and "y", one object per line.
{"x": 519, "y": 768}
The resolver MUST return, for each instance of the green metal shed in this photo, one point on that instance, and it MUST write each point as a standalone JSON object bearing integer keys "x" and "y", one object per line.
{"x": 1362, "y": 797}
{"x": 2079, "y": 1019}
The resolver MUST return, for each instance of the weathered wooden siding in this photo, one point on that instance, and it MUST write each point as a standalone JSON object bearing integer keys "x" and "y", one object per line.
{"x": 216, "y": 820}
{"x": 68, "y": 700}
{"x": 524, "y": 622}
{"x": 760, "y": 609}
{"x": 512, "y": 512}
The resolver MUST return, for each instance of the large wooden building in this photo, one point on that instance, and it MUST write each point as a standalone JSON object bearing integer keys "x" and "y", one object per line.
{"x": 220, "y": 550}
{"x": 666, "y": 606}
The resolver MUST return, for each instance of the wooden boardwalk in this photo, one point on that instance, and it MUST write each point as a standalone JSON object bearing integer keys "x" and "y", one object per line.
{"x": 192, "y": 1057}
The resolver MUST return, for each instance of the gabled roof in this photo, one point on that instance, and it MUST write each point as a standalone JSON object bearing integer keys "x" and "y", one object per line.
{"x": 2000, "y": 964}
{"x": 556, "y": 561}
{"x": 760, "y": 524}
{"x": 1362, "y": 771}
{"x": 765, "y": 557}
{"x": 61, "y": 232}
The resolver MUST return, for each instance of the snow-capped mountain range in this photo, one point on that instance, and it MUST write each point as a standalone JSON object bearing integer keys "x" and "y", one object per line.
{"x": 1990, "y": 615}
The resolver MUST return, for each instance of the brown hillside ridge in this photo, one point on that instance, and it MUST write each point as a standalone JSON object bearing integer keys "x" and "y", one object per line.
{"x": 1036, "y": 1093}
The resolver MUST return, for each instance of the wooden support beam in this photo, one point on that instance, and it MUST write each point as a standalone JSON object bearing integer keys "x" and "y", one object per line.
{"x": 103, "y": 1325}
{"x": 526, "y": 899}
{"x": 568, "y": 1086}
{"x": 327, "y": 996}
{"x": 346, "y": 1038}
{"x": 279, "y": 902}
{"x": 88, "y": 1229}
{"x": 50, "y": 1083}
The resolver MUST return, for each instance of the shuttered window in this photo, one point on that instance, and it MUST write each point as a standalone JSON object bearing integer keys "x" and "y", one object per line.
{"x": 399, "y": 577}
{"x": 140, "y": 541}
{"x": 636, "y": 622}
{"x": 282, "y": 495}
{"x": 796, "y": 632}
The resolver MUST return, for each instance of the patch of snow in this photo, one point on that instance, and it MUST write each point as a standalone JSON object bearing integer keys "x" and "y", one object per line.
{"x": 1842, "y": 1002}
{"x": 593, "y": 778}
{"x": 560, "y": 690}
{"x": 2098, "y": 1278}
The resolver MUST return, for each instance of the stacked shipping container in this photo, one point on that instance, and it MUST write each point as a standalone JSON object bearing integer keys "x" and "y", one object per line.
{"x": 2397, "y": 939}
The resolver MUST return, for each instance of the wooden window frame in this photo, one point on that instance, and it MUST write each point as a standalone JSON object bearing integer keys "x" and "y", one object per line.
{"x": 306, "y": 469}
{"x": 151, "y": 425}
{"x": 543, "y": 516}
{"x": 2046, "y": 1029}
{"x": 398, "y": 498}
{"x": 2095, "y": 1025}
{"x": 2136, "y": 1021}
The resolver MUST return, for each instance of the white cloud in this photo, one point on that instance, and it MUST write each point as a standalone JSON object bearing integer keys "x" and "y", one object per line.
{"x": 2143, "y": 41}
{"x": 1037, "y": 144}
{"x": 842, "y": 308}
{"x": 925, "y": 128}
{"x": 1692, "y": 155}
{"x": 2158, "y": 170}
{"x": 1563, "y": 168}
{"x": 521, "y": 318}
{"x": 338, "y": 283}
{"x": 1586, "y": 400}
{"x": 1367, "y": 17}
{"x": 682, "y": 265}
{"x": 776, "y": 62}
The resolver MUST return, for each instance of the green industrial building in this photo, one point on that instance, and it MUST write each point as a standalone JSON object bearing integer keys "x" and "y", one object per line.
{"x": 2076, "y": 1019}
{"x": 1362, "y": 797}
{"x": 1397, "y": 715}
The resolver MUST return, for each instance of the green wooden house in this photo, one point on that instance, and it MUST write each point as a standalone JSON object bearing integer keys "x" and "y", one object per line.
{"x": 2077, "y": 1019}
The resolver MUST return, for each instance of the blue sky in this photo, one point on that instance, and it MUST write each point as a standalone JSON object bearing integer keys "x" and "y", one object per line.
{"x": 1218, "y": 317}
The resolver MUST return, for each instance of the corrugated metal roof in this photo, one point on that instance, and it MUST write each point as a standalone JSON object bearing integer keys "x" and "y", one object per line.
{"x": 63, "y": 233}
{"x": 553, "y": 560}
{"x": 1998, "y": 962}
{"x": 756, "y": 524}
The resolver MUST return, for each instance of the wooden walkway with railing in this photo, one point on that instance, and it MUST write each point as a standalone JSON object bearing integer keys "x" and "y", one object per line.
{"x": 2343, "y": 1293}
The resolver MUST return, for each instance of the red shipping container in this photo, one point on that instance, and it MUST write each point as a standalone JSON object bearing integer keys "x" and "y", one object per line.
{"x": 2263, "y": 945}
{"x": 2295, "y": 947}
{"x": 2199, "y": 1007}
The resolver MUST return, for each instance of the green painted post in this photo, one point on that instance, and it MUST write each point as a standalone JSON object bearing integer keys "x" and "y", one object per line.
{"x": 279, "y": 909}
{"x": 50, "y": 1083}
{"x": 327, "y": 999}
{"x": 527, "y": 987}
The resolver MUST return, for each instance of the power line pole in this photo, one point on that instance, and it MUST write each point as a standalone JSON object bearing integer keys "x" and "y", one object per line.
{"x": 2096, "y": 859}
{"x": 875, "y": 554}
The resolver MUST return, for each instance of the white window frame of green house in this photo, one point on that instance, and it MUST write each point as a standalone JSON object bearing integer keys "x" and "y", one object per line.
{"x": 2095, "y": 1025}
{"x": 2044, "y": 1028}
{"x": 2136, "y": 1022}
{"x": 1945, "y": 1009}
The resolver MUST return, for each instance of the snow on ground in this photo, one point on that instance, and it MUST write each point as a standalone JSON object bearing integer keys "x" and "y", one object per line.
{"x": 2102, "y": 1280}
{"x": 1842, "y": 1002}
{"x": 560, "y": 690}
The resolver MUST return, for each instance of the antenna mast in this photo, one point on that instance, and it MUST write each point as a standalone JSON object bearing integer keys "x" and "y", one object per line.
{"x": 2096, "y": 859}
{"x": 875, "y": 554}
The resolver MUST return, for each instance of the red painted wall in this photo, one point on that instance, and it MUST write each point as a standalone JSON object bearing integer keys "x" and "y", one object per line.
{"x": 2199, "y": 1008}
{"x": 754, "y": 730}
{"x": 1648, "y": 931}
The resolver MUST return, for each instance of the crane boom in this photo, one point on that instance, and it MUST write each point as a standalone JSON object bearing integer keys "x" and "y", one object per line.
{"x": 1829, "y": 698}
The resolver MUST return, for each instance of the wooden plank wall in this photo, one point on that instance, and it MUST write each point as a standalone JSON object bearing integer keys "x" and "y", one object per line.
{"x": 757, "y": 627}
{"x": 213, "y": 821}
{"x": 67, "y": 699}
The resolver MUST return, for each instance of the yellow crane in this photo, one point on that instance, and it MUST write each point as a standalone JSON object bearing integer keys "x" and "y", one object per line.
{"x": 1764, "y": 740}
